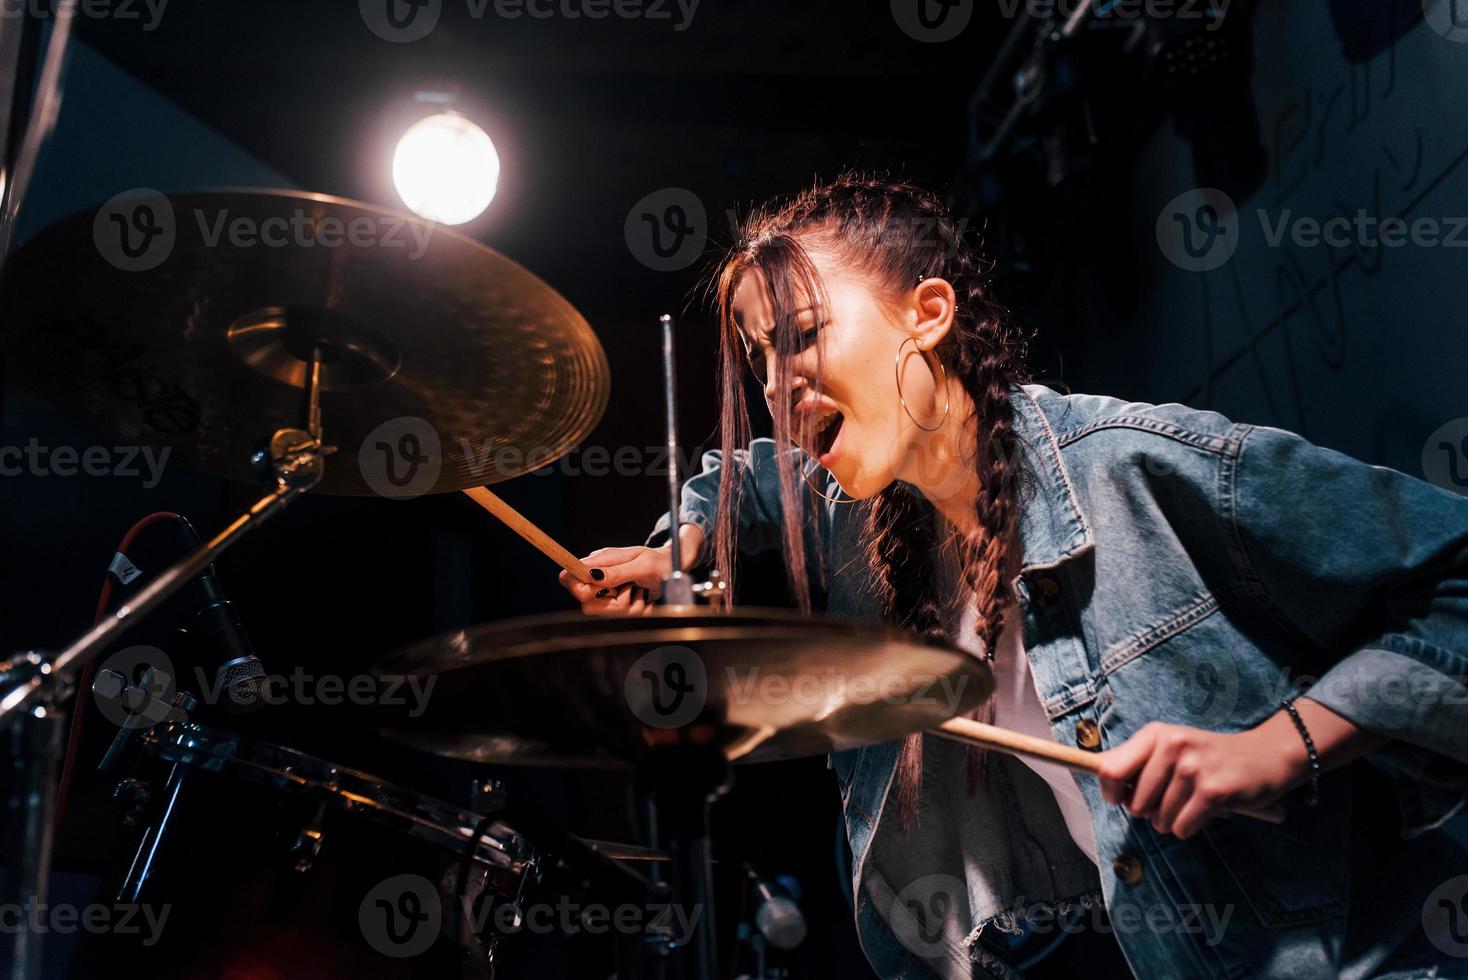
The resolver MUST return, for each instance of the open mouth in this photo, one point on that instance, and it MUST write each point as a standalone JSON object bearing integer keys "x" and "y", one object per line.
{"x": 827, "y": 430}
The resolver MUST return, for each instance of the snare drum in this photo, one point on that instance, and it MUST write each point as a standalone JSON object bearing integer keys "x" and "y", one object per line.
{"x": 275, "y": 863}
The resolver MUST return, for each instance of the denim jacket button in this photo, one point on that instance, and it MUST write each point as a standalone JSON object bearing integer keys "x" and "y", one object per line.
{"x": 1047, "y": 590}
{"x": 1088, "y": 735}
{"x": 1128, "y": 869}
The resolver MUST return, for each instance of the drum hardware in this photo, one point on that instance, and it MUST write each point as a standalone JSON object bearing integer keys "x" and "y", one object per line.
{"x": 139, "y": 701}
{"x": 231, "y": 344}
{"x": 37, "y": 686}
{"x": 305, "y": 848}
{"x": 677, "y": 587}
{"x": 714, "y": 591}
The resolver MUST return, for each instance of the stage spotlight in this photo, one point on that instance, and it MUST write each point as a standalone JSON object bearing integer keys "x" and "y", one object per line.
{"x": 446, "y": 169}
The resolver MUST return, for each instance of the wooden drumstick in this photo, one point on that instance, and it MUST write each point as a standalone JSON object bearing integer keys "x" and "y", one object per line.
{"x": 518, "y": 523}
{"x": 1030, "y": 746}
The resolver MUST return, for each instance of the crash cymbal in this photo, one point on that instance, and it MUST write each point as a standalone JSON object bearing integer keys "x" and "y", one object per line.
{"x": 757, "y": 684}
{"x": 188, "y": 321}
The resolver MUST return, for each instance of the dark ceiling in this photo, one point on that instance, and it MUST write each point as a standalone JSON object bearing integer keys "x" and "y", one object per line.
{"x": 750, "y": 98}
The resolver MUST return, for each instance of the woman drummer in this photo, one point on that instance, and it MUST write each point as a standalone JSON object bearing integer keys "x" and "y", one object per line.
{"x": 1231, "y": 616}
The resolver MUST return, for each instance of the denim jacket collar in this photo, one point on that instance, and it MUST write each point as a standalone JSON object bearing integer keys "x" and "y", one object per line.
{"x": 1053, "y": 528}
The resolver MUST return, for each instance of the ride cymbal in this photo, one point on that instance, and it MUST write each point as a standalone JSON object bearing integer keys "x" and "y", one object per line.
{"x": 758, "y": 684}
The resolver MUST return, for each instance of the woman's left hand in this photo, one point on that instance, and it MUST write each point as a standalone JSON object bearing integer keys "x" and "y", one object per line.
{"x": 1184, "y": 777}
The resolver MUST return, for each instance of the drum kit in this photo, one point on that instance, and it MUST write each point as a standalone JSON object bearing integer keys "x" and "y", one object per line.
{"x": 254, "y": 364}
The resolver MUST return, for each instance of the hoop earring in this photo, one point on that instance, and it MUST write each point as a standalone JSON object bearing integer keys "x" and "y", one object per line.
{"x": 897, "y": 373}
{"x": 835, "y": 500}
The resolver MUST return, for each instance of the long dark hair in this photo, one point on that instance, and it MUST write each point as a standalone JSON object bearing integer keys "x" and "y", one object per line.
{"x": 894, "y": 233}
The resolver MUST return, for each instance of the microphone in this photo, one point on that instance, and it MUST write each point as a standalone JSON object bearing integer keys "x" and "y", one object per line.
{"x": 778, "y": 917}
{"x": 220, "y": 642}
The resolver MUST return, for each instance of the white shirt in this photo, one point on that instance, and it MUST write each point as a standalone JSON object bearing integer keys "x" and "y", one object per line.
{"x": 1017, "y": 707}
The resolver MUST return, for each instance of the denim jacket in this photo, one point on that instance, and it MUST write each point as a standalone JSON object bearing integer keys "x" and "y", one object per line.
{"x": 1178, "y": 567}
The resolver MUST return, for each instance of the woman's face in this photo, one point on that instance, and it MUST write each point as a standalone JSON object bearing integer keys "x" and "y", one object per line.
{"x": 851, "y": 421}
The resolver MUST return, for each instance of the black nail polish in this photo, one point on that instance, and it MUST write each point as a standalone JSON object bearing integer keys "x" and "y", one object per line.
{"x": 604, "y": 593}
{"x": 598, "y": 574}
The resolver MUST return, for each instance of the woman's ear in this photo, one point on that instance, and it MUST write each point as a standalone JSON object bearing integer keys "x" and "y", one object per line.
{"x": 934, "y": 303}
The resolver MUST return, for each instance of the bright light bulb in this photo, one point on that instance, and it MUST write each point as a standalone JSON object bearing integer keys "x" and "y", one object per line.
{"x": 446, "y": 169}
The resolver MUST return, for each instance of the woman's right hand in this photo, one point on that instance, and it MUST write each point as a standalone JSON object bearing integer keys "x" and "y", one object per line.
{"x": 632, "y": 578}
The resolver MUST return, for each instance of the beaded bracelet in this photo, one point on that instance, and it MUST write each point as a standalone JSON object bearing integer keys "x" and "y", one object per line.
{"x": 1310, "y": 748}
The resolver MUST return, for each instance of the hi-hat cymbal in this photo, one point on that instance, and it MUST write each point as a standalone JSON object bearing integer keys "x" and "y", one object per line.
{"x": 188, "y": 321}
{"x": 757, "y": 684}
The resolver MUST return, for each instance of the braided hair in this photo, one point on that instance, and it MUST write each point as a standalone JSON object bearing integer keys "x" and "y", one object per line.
{"x": 895, "y": 234}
